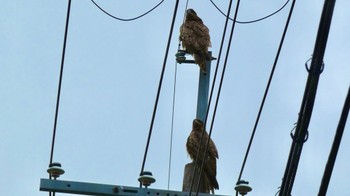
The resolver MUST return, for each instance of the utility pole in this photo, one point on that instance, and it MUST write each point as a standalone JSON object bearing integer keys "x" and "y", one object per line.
{"x": 203, "y": 84}
{"x": 203, "y": 92}
{"x": 202, "y": 106}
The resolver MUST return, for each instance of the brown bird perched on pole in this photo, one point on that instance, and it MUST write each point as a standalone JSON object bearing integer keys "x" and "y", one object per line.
{"x": 193, "y": 142}
{"x": 195, "y": 38}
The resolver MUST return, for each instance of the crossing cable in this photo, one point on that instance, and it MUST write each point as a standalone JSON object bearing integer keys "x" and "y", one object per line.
{"x": 335, "y": 147}
{"x": 220, "y": 84}
{"x": 251, "y": 21}
{"x": 59, "y": 86}
{"x": 173, "y": 111}
{"x": 159, "y": 88}
{"x": 126, "y": 19}
{"x": 308, "y": 98}
{"x": 172, "y": 125}
{"x": 267, "y": 89}
{"x": 222, "y": 78}
{"x": 210, "y": 98}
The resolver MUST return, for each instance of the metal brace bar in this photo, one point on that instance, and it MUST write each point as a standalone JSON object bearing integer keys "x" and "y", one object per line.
{"x": 85, "y": 188}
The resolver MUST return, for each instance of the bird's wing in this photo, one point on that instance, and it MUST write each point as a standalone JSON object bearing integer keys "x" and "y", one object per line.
{"x": 187, "y": 36}
{"x": 201, "y": 32}
{"x": 192, "y": 145}
{"x": 213, "y": 152}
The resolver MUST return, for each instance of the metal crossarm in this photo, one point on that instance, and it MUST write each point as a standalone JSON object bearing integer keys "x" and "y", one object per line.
{"x": 85, "y": 188}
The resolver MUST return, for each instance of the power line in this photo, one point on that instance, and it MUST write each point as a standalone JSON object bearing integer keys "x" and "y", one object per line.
{"x": 308, "y": 98}
{"x": 60, "y": 82}
{"x": 220, "y": 84}
{"x": 335, "y": 147}
{"x": 126, "y": 19}
{"x": 172, "y": 124}
{"x": 211, "y": 95}
{"x": 59, "y": 86}
{"x": 223, "y": 72}
{"x": 266, "y": 90}
{"x": 173, "y": 106}
{"x": 159, "y": 88}
{"x": 251, "y": 21}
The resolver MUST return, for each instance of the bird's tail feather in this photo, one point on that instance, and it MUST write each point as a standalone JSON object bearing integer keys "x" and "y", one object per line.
{"x": 210, "y": 170}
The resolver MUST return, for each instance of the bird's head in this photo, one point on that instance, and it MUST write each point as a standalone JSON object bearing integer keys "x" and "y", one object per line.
{"x": 192, "y": 15}
{"x": 197, "y": 124}
{"x": 191, "y": 11}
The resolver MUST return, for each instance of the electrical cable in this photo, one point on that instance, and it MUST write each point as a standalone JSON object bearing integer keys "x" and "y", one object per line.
{"x": 266, "y": 90}
{"x": 222, "y": 79}
{"x": 211, "y": 91}
{"x": 335, "y": 147}
{"x": 277, "y": 192}
{"x": 172, "y": 124}
{"x": 59, "y": 86}
{"x": 159, "y": 88}
{"x": 251, "y": 21}
{"x": 220, "y": 86}
{"x": 309, "y": 97}
{"x": 126, "y": 19}
{"x": 173, "y": 106}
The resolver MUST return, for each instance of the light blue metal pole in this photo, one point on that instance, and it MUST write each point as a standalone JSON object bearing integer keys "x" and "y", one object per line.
{"x": 203, "y": 92}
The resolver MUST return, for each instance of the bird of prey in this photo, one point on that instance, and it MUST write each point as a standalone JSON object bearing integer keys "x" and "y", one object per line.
{"x": 193, "y": 142}
{"x": 195, "y": 38}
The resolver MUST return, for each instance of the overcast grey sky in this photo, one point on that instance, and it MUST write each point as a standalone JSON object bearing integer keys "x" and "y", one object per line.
{"x": 110, "y": 79}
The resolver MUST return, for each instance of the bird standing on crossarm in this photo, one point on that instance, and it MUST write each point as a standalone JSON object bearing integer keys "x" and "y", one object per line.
{"x": 195, "y": 38}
